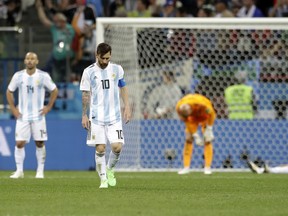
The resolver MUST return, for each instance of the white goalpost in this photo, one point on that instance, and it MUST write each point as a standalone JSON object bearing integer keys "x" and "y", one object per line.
{"x": 203, "y": 56}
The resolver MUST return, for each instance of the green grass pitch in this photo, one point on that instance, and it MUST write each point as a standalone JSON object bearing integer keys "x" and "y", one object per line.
{"x": 145, "y": 193}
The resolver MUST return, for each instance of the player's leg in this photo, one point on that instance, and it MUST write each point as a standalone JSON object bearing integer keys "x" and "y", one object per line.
{"x": 97, "y": 138}
{"x": 101, "y": 164}
{"x": 19, "y": 154}
{"x": 114, "y": 157}
{"x": 208, "y": 148}
{"x": 191, "y": 128}
{"x": 116, "y": 138}
{"x": 22, "y": 136}
{"x": 278, "y": 169}
{"x": 41, "y": 157}
{"x": 187, "y": 155}
{"x": 254, "y": 168}
{"x": 208, "y": 157}
{"x": 39, "y": 133}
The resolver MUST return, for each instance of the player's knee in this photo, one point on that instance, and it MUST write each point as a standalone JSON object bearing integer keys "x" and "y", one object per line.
{"x": 100, "y": 148}
{"x": 39, "y": 144}
{"x": 20, "y": 144}
{"x": 208, "y": 143}
{"x": 116, "y": 147}
{"x": 189, "y": 140}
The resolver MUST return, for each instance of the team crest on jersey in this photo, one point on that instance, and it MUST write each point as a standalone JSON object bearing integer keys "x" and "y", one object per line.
{"x": 113, "y": 76}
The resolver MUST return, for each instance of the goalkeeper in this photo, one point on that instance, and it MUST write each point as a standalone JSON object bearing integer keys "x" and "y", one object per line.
{"x": 196, "y": 110}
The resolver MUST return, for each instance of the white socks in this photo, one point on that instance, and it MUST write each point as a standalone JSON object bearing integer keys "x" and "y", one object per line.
{"x": 101, "y": 165}
{"x": 19, "y": 155}
{"x": 41, "y": 156}
{"x": 279, "y": 169}
{"x": 113, "y": 159}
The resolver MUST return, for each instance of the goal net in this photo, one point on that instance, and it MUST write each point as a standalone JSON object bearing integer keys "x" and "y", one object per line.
{"x": 165, "y": 59}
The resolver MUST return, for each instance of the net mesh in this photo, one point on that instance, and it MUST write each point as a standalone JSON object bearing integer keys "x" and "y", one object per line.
{"x": 163, "y": 64}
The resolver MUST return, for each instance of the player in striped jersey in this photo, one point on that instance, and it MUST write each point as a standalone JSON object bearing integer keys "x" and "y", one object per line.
{"x": 30, "y": 112}
{"x": 100, "y": 87}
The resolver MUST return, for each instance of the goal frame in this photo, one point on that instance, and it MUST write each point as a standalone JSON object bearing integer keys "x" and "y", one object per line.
{"x": 196, "y": 23}
{"x": 199, "y": 23}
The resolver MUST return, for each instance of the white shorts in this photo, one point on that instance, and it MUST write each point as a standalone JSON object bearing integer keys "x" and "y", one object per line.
{"x": 100, "y": 134}
{"x": 24, "y": 130}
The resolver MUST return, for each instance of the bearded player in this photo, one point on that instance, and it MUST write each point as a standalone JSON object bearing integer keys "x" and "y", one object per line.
{"x": 102, "y": 85}
{"x": 196, "y": 110}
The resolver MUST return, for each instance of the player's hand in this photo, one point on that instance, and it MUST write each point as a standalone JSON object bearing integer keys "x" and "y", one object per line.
{"x": 45, "y": 110}
{"x": 85, "y": 122}
{"x": 127, "y": 114}
{"x": 208, "y": 134}
{"x": 16, "y": 113}
{"x": 197, "y": 139}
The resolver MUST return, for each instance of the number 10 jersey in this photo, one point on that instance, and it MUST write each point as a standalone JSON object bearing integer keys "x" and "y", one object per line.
{"x": 103, "y": 85}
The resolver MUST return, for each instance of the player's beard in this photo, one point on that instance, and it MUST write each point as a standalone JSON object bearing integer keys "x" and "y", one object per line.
{"x": 102, "y": 65}
{"x": 30, "y": 67}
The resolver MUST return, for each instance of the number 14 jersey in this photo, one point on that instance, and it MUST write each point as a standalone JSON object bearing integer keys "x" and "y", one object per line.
{"x": 31, "y": 92}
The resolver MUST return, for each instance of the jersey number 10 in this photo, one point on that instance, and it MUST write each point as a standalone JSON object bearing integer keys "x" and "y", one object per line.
{"x": 105, "y": 84}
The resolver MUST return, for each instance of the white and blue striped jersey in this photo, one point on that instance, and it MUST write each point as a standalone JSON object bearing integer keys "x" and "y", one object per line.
{"x": 31, "y": 92}
{"x": 103, "y": 85}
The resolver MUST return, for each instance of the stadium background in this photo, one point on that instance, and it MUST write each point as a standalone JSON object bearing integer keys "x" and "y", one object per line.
{"x": 149, "y": 139}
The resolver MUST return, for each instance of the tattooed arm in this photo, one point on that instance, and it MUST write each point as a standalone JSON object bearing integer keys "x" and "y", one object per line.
{"x": 85, "y": 106}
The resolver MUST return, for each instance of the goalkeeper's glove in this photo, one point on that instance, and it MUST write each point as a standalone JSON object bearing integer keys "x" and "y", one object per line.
{"x": 208, "y": 134}
{"x": 197, "y": 139}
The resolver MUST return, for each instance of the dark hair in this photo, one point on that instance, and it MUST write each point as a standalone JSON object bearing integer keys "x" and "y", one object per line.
{"x": 103, "y": 48}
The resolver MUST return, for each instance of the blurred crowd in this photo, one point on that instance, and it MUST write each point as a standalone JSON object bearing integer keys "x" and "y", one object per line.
{"x": 72, "y": 23}
{"x": 11, "y": 10}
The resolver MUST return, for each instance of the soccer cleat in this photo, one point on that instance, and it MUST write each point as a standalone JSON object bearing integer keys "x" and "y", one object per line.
{"x": 39, "y": 175}
{"x": 255, "y": 168}
{"x": 111, "y": 177}
{"x": 17, "y": 174}
{"x": 184, "y": 171}
{"x": 104, "y": 184}
{"x": 207, "y": 171}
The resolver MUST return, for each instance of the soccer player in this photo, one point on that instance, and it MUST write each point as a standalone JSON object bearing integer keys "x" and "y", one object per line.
{"x": 100, "y": 85}
{"x": 283, "y": 169}
{"x": 196, "y": 110}
{"x": 30, "y": 112}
